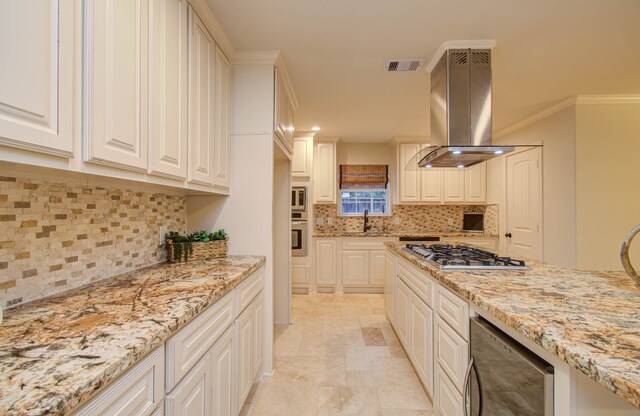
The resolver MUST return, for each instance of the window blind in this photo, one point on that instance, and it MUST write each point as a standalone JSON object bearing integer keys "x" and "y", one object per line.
{"x": 364, "y": 176}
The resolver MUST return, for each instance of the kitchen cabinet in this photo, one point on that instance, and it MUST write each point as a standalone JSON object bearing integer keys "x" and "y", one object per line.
{"x": 403, "y": 312}
{"x": 36, "y": 98}
{"x": 451, "y": 353}
{"x": 324, "y": 189}
{"x": 249, "y": 336}
{"x": 362, "y": 263}
{"x": 447, "y": 401}
{"x": 283, "y": 114}
{"x": 168, "y": 88}
{"x": 116, "y": 76}
{"x": 301, "y": 165}
{"x": 222, "y": 132}
{"x": 192, "y": 396}
{"x": 377, "y": 270}
{"x": 202, "y": 77}
{"x": 355, "y": 267}
{"x": 222, "y": 364}
{"x": 438, "y": 185}
{"x": 326, "y": 262}
{"x": 390, "y": 286}
{"x": 420, "y": 337}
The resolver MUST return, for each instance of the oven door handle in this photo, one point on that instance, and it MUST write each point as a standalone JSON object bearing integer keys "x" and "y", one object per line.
{"x": 467, "y": 392}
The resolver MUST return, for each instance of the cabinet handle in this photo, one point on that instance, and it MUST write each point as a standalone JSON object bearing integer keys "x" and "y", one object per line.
{"x": 508, "y": 235}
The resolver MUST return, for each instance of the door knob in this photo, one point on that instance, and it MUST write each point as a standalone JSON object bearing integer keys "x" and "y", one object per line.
{"x": 508, "y": 235}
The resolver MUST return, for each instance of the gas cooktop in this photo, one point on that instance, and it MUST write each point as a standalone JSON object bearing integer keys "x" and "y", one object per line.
{"x": 447, "y": 256}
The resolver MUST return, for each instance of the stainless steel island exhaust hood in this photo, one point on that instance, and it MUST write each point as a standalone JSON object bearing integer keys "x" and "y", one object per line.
{"x": 461, "y": 111}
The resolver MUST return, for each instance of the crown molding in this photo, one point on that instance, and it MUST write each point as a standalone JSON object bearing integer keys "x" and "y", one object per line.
{"x": 609, "y": 99}
{"x": 256, "y": 57}
{"x": 459, "y": 44}
{"x": 304, "y": 133}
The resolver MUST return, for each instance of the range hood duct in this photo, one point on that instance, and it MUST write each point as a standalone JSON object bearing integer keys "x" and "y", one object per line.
{"x": 461, "y": 111}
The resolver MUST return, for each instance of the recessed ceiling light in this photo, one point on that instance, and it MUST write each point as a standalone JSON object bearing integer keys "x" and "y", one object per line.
{"x": 461, "y": 166}
{"x": 315, "y": 128}
{"x": 456, "y": 152}
{"x": 428, "y": 166}
{"x": 498, "y": 152}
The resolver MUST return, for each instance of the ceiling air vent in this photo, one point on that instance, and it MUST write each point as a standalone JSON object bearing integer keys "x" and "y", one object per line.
{"x": 404, "y": 65}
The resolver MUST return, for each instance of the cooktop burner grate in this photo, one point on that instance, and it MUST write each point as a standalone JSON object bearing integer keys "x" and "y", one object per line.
{"x": 446, "y": 256}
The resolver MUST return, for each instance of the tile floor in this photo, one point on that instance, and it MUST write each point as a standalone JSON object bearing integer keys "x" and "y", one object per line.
{"x": 339, "y": 357}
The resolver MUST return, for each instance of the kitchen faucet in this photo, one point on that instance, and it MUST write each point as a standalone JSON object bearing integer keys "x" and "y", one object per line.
{"x": 366, "y": 226}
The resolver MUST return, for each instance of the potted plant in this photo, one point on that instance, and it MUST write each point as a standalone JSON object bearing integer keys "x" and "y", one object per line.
{"x": 200, "y": 245}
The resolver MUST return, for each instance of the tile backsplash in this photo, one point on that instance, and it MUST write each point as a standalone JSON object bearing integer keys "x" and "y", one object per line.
{"x": 412, "y": 218}
{"x": 55, "y": 237}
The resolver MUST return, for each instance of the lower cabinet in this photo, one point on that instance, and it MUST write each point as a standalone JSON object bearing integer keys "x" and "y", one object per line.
{"x": 421, "y": 340}
{"x": 222, "y": 359}
{"x": 192, "y": 396}
{"x": 402, "y": 305}
{"x": 249, "y": 328}
{"x": 326, "y": 253}
{"x": 390, "y": 286}
{"x": 447, "y": 400}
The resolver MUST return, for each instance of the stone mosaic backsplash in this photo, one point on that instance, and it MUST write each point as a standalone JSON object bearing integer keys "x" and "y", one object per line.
{"x": 55, "y": 237}
{"x": 413, "y": 219}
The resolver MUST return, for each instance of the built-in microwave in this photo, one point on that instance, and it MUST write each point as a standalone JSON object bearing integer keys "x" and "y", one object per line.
{"x": 299, "y": 199}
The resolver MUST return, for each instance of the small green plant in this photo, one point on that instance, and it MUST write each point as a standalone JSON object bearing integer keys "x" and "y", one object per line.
{"x": 183, "y": 244}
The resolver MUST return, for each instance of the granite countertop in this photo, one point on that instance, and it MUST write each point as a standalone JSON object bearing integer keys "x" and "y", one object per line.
{"x": 590, "y": 320}
{"x": 55, "y": 353}
{"x": 392, "y": 234}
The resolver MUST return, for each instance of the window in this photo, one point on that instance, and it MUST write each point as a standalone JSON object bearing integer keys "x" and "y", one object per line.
{"x": 364, "y": 187}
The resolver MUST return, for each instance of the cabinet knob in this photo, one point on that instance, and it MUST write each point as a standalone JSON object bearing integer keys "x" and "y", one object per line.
{"x": 508, "y": 235}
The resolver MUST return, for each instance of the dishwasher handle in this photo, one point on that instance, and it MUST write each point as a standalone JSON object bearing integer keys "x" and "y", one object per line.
{"x": 624, "y": 256}
{"x": 467, "y": 392}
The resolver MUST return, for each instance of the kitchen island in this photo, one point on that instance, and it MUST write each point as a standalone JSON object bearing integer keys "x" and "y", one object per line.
{"x": 588, "y": 320}
{"x": 56, "y": 353}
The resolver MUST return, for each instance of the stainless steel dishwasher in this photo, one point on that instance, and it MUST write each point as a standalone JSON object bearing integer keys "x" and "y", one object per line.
{"x": 504, "y": 378}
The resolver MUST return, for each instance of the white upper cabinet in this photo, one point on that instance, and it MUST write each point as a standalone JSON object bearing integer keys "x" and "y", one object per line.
{"x": 36, "y": 76}
{"x": 409, "y": 180}
{"x": 430, "y": 185}
{"x": 283, "y": 114}
{"x": 168, "y": 88}
{"x": 302, "y": 158}
{"x": 453, "y": 182}
{"x": 475, "y": 183}
{"x": 202, "y": 78}
{"x": 116, "y": 42}
{"x": 222, "y": 143}
{"x": 324, "y": 190}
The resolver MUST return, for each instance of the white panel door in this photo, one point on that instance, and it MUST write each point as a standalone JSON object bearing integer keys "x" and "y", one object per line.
{"x": 245, "y": 338}
{"x": 202, "y": 79}
{"x": 222, "y": 144}
{"x": 223, "y": 375}
{"x": 389, "y": 287}
{"x": 475, "y": 183}
{"x": 402, "y": 318}
{"x": 258, "y": 331}
{"x": 168, "y": 88}
{"x": 421, "y": 342}
{"x": 302, "y": 153}
{"x": 447, "y": 400}
{"x": 355, "y": 267}
{"x": 300, "y": 273}
{"x": 326, "y": 262}
{"x": 116, "y": 45}
{"x": 409, "y": 189}
{"x": 324, "y": 189}
{"x": 524, "y": 199}
{"x": 377, "y": 269}
{"x": 431, "y": 185}
{"x": 192, "y": 397}
{"x": 453, "y": 185}
{"x": 36, "y": 75}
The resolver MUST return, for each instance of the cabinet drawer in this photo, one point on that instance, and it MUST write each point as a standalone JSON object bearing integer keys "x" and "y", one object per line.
{"x": 186, "y": 347}
{"x": 363, "y": 243}
{"x": 448, "y": 401}
{"x": 137, "y": 392}
{"x": 420, "y": 285}
{"x": 248, "y": 289}
{"x": 452, "y": 353}
{"x": 454, "y": 311}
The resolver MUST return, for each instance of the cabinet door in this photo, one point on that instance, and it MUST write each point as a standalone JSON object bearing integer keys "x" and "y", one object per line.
{"x": 302, "y": 154}
{"x": 447, "y": 400}
{"x": 355, "y": 268}
{"x": 168, "y": 88}
{"x": 377, "y": 268}
{"x": 202, "y": 57}
{"x": 36, "y": 107}
{"x": 281, "y": 116}
{"x": 289, "y": 126}
{"x": 192, "y": 396}
{"x": 453, "y": 184}
{"x": 402, "y": 304}
{"x": 421, "y": 341}
{"x": 222, "y": 145}
{"x": 325, "y": 173}
{"x": 258, "y": 328}
{"x": 300, "y": 274}
{"x": 116, "y": 45}
{"x": 245, "y": 336}
{"x": 409, "y": 189}
{"x": 431, "y": 185}
{"x": 326, "y": 262}
{"x": 475, "y": 183}
{"x": 389, "y": 286}
{"x": 223, "y": 375}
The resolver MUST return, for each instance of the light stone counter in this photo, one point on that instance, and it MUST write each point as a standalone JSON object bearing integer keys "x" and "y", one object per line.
{"x": 347, "y": 234}
{"x": 590, "y": 320}
{"x": 57, "y": 352}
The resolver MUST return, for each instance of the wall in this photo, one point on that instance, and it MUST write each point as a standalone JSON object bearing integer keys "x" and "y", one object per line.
{"x": 412, "y": 219}
{"x": 57, "y": 235}
{"x": 557, "y": 134}
{"x": 607, "y": 189}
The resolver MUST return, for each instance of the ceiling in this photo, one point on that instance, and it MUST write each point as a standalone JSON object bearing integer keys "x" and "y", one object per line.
{"x": 335, "y": 53}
